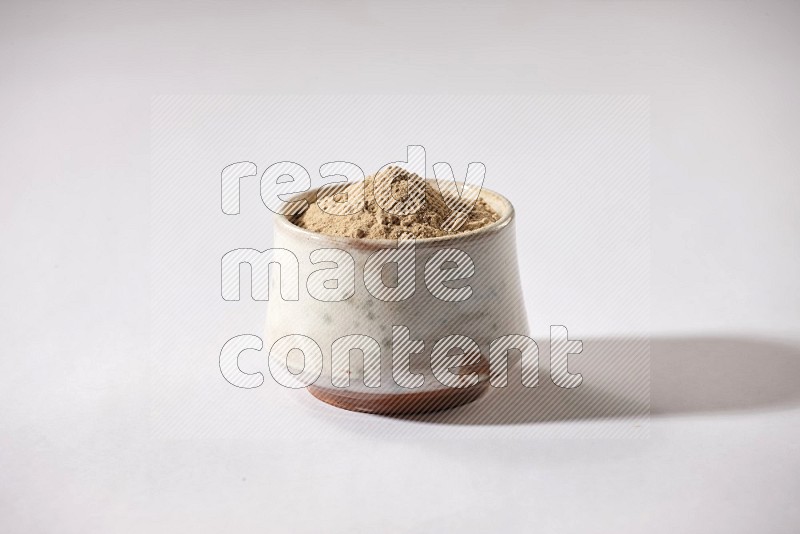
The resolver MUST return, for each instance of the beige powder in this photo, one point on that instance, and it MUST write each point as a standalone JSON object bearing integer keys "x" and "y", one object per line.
{"x": 373, "y": 222}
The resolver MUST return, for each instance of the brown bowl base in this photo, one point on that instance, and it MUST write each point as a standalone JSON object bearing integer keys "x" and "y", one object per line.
{"x": 397, "y": 404}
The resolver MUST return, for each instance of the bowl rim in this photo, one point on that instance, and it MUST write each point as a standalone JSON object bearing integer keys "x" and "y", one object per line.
{"x": 499, "y": 202}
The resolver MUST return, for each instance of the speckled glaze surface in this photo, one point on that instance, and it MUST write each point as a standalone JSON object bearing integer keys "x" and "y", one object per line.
{"x": 494, "y": 309}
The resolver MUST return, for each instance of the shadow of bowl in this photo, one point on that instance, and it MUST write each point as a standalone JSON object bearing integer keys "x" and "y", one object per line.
{"x": 687, "y": 375}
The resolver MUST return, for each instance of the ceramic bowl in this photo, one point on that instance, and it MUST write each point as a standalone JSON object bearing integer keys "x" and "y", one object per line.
{"x": 494, "y": 308}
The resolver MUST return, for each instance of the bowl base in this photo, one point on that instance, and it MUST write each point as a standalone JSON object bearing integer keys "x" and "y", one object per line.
{"x": 402, "y": 403}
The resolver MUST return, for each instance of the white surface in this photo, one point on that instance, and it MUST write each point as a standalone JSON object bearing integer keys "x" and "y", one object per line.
{"x": 76, "y": 449}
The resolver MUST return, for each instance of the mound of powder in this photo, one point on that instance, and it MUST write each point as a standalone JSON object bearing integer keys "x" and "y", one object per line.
{"x": 374, "y": 222}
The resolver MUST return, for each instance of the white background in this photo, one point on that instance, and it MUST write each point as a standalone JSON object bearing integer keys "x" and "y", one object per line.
{"x": 77, "y": 453}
